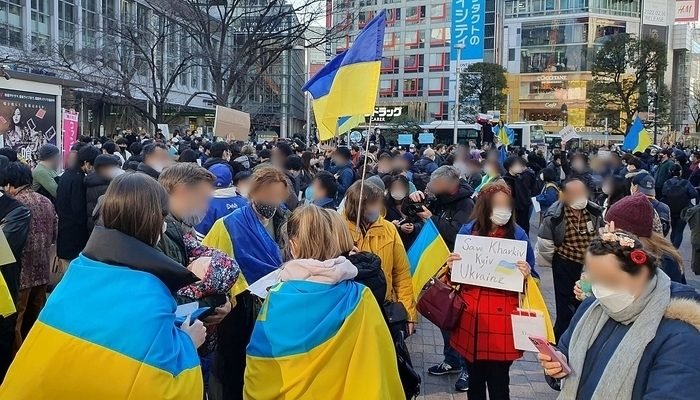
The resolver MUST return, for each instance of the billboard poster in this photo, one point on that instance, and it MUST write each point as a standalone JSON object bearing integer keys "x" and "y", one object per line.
{"x": 70, "y": 129}
{"x": 468, "y": 24}
{"x": 27, "y": 121}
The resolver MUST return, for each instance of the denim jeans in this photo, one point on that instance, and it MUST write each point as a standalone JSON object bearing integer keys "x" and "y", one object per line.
{"x": 451, "y": 356}
{"x": 677, "y": 229}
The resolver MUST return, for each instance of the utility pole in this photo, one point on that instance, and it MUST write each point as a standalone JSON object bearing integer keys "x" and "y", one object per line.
{"x": 459, "y": 47}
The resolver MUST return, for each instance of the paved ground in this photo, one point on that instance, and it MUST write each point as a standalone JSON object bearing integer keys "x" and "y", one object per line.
{"x": 526, "y": 378}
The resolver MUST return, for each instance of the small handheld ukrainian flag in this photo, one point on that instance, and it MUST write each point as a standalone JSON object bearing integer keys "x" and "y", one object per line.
{"x": 637, "y": 139}
{"x": 426, "y": 255}
{"x": 347, "y": 86}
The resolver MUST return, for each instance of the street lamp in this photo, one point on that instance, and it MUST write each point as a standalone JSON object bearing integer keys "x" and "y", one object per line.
{"x": 459, "y": 47}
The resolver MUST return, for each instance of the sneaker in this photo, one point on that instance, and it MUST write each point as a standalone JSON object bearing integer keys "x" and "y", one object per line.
{"x": 443, "y": 369}
{"x": 462, "y": 384}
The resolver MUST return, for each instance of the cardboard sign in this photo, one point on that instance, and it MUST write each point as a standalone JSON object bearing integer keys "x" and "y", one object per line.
{"x": 489, "y": 262}
{"x": 166, "y": 130}
{"x": 230, "y": 123}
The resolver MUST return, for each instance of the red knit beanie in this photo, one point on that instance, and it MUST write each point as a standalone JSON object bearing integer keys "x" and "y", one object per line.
{"x": 633, "y": 214}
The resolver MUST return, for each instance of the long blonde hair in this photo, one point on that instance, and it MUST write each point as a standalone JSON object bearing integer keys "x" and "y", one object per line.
{"x": 318, "y": 234}
{"x": 660, "y": 247}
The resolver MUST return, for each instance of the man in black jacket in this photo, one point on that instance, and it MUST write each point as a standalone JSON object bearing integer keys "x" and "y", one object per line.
{"x": 97, "y": 182}
{"x": 155, "y": 158}
{"x": 14, "y": 220}
{"x": 219, "y": 153}
{"x": 451, "y": 209}
{"x": 515, "y": 166}
{"x": 71, "y": 206}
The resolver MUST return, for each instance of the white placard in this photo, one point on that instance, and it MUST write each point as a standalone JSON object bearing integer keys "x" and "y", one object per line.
{"x": 261, "y": 286}
{"x": 536, "y": 204}
{"x": 526, "y": 324}
{"x": 489, "y": 262}
{"x": 567, "y": 133}
{"x": 166, "y": 130}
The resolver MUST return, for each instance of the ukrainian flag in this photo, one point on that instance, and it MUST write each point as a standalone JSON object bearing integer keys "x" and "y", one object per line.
{"x": 504, "y": 135}
{"x": 347, "y": 86}
{"x": 637, "y": 139}
{"x": 108, "y": 333}
{"x": 345, "y": 124}
{"x": 426, "y": 255}
{"x": 319, "y": 341}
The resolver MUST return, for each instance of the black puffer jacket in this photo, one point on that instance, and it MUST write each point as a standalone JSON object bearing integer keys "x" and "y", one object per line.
{"x": 370, "y": 273}
{"x": 451, "y": 212}
{"x": 95, "y": 186}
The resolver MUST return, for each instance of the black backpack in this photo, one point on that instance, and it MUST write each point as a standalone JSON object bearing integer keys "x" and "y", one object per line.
{"x": 677, "y": 199}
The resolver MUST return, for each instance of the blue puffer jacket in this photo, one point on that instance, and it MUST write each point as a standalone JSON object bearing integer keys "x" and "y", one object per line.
{"x": 670, "y": 366}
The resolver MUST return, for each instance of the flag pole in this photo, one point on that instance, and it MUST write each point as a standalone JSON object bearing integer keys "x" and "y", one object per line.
{"x": 364, "y": 174}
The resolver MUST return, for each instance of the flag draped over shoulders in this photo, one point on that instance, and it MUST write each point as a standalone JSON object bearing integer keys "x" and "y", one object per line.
{"x": 107, "y": 332}
{"x": 320, "y": 341}
{"x": 242, "y": 236}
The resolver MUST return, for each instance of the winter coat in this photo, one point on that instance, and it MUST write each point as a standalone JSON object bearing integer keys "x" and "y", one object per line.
{"x": 485, "y": 331}
{"x": 211, "y": 161}
{"x": 426, "y": 165}
{"x": 393, "y": 213}
{"x": 521, "y": 194}
{"x": 36, "y": 258}
{"x": 133, "y": 163}
{"x": 692, "y": 216}
{"x": 675, "y": 182}
{"x": 345, "y": 174}
{"x": 146, "y": 169}
{"x": 325, "y": 202}
{"x": 382, "y": 239}
{"x": 670, "y": 366}
{"x": 71, "y": 206}
{"x": 549, "y": 196}
{"x": 553, "y": 228}
{"x": 370, "y": 274}
{"x": 15, "y": 221}
{"x": 663, "y": 173}
{"x": 95, "y": 186}
{"x": 450, "y": 213}
{"x": 223, "y": 202}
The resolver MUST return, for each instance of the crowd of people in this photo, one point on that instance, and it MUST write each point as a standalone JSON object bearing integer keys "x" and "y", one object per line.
{"x": 113, "y": 241}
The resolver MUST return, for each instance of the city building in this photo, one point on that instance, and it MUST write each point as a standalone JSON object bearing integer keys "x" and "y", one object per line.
{"x": 36, "y": 27}
{"x": 416, "y": 69}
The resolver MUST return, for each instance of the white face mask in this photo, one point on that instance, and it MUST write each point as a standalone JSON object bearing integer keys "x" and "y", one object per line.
{"x": 579, "y": 204}
{"x": 501, "y": 216}
{"x": 614, "y": 301}
{"x": 398, "y": 195}
{"x": 115, "y": 172}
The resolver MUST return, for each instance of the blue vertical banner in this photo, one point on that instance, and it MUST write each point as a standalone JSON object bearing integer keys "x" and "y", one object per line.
{"x": 468, "y": 24}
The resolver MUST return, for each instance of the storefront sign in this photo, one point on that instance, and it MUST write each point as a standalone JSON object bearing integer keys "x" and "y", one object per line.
{"x": 551, "y": 78}
{"x": 468, "y": 28}
{"x": 686, "y": 11}
{"x": 70, "y": 130}
{"x": 551, "y": 105}
{"x": 388, "y": 113}
{"x": 27, "y": 121}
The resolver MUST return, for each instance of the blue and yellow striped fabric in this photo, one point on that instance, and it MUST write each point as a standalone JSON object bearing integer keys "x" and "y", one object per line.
{"x": 321, "y": 341}
{"x": 426, "y": 255}
{"x": 348, "y": 84}
{"x": 106, "y": 332}
{"x": 637, "y": 139}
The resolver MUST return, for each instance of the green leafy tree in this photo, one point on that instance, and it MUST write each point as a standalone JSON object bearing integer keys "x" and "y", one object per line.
{"x": 486, "y": 83}
{"x": 627, "y": 78}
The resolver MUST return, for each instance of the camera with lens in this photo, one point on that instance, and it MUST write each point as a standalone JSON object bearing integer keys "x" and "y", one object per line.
{"x": 411, "y": 208}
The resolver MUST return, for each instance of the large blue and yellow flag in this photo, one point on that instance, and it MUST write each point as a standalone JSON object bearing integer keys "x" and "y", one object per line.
{"x": 637, "y": 139}
{"x": 347, "y": 86}
{"x": 505, "y": 135}
{"x": 426, "y": 255}
{"x": 345, "y": 124}
{"x": 321, "y": 341}
{"x": 107, "y": 332}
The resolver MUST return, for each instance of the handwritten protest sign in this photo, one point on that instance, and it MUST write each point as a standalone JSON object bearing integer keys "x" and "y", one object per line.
{"x": 489, "y": 262}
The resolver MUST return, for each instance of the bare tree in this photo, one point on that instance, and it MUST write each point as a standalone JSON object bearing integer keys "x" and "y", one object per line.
{"x": 134, "y": 62}
{"x": 694, "y": 106}
{"x": 241, "y": 40}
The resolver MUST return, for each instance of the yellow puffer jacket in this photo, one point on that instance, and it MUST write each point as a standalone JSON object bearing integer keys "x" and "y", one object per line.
{"x": 383, "y": 239}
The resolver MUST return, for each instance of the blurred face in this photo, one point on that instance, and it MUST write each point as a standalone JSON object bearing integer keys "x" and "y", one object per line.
{"x": 398, "y": 191}
{"x": 384, "y": 166}
{"x": 606, "y": 271}
{"x": 372, "y": 211}
{"x": 190, "y": 202}
{"x": 273, "y": 194}
{"x": 318, "y": 190}
{"x": 443, "y": 186}
{"x": 159, "y": 159}
{"x": 278, "y": 157}
{"x": 500, "y": 200}
{"x": 575, "y": 192}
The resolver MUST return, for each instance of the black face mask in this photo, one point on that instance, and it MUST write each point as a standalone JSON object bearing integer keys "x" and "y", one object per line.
{"x": 266, "y": 211}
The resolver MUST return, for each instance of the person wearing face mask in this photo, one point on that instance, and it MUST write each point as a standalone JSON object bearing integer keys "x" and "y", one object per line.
{"x": 580, "y": 169}
{"x": 565, "y": 232}
{"x": 515, "y": 166}
{"x": 155, "y": 159}
{"x": 219, "y": 153}
{"x": 71, "y": 207}
{"x": 397, "y": 191}
{"x": 483, "y": 337}
{"x": 125, "y": 285}
{"x": 638, "y": 337}
{"x": 96, "y": 183}
{"x": 633, "y": 169}
{"x": 379, "y": 236}
{"x": 255, "y": 236}
{"x": 324, "y": 189}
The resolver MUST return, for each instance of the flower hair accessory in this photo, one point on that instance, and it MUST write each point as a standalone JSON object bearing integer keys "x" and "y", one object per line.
{"x": 638, "y": 256}
{"x": 608, "y": 234}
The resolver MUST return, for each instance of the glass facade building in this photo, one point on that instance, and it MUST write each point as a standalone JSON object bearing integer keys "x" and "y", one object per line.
{"x": 549, "y": 47}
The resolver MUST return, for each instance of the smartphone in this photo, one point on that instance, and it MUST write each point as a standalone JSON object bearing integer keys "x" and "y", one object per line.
{"x": 199, "y": 313}
{"x": 544, "y": 347}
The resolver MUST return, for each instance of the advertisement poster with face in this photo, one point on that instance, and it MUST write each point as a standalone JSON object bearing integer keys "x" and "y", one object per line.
{"x": 27, "y": 121}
